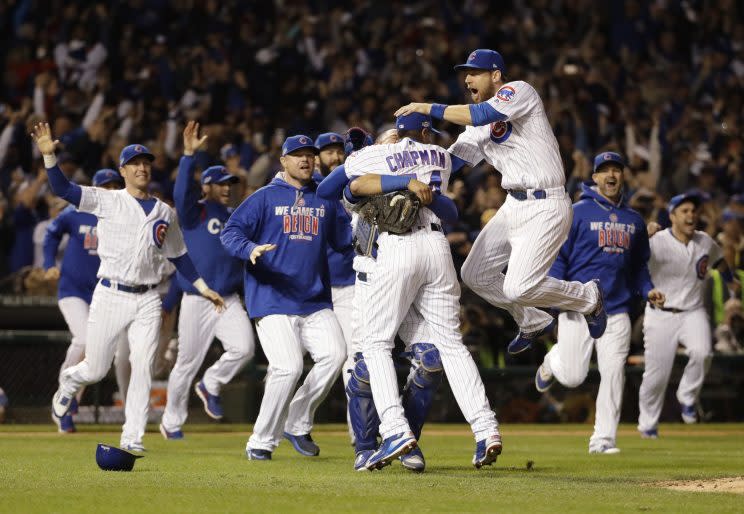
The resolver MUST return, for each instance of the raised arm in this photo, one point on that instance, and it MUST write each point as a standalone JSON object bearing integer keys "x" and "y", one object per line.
{"x": 42, "y": 136}
{"x": 186, "y": 192}
{"x": 331, "y": 187}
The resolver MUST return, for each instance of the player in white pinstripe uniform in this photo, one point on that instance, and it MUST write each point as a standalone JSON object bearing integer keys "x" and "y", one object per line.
{"x": 680, "y": 257}
{"x": 507, "y": 126}
{"x": 136, "y": 233}
{"x": 415, "y": 269}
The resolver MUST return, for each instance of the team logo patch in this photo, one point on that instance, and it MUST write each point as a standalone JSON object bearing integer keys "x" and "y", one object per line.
{"x": 472, "y": 56}
{"x": 334, "y": 138}
{"x": 702, "y": 267}
{"x": 500, "y": 131}
{"x": 303, "y": 140}
{"x": 607, "y": 157}
{"x": 506, "y": 94}
{"x": 613, "y": 217}
{"x": 139, "y": 149}
{"x": 159, "y": 230}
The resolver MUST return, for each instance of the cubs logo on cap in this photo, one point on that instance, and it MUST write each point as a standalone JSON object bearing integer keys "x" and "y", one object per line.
{"x": 327, "y": 139}
{"x": 415, "y": 121}
{"x": 294, "y": 143}
{"x": 608, "y": 157}
{"x": 106, "y": 176}
{"x": 483, "y": 59}
{"x": 132, "y": 151}
{"x": 217, "y": 175}
{"x": 692, "y": 196}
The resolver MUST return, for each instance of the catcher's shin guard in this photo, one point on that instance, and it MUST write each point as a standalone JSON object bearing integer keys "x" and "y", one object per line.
{"x": 364, "y": 419}
{"x": 422, "y": 384}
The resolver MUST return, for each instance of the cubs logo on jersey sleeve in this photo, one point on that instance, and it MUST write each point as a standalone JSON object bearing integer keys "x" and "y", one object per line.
{"x": 701, "y": 267}
{"x": 506, "y": 94}
{"x": 159, "y": 231}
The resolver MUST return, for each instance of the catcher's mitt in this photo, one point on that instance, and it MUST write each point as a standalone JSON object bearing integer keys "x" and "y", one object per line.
{"x": 394, "y": 212}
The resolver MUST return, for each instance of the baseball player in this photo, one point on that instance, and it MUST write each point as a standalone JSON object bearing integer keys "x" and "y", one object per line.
{"x": 608, "y": 239}
{"x": 282, "y": 231}
{"x": 199, "y": 323}
{"x": 76, "y": 277}
{"x": 426, "y": 366}
{"x": 331, "y": 153}
{"x": 415, "y": 269}
{"x": 680, "y": 257}
{"x": 136, "y": 233}
{"x": 507, "y": 126}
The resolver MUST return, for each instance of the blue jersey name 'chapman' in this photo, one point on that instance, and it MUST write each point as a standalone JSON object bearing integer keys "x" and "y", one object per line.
{"x": 608, "y": 242}
{"x": 294, "y": 278}
{"x": 410, "y": 158}
{"x": 201, "y": 223}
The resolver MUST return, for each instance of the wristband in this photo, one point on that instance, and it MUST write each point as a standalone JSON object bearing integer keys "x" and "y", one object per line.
{"x": 437, "y": 111}
{"x": 201, "y": 286}
{"x": 49, "y": 160}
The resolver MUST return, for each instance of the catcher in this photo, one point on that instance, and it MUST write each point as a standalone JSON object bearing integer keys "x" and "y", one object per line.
{"x": 414, "y": 268}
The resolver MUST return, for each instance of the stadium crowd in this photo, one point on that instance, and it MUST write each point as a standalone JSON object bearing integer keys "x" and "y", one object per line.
{"x": 660, "y": 82}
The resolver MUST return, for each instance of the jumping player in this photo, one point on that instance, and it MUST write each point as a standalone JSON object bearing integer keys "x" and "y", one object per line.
{"x": 680, "y": 257}
{"x": 507, "y": 126}
{"x": 136, "y": 233}
{"x": 76, "y": 277}
{"x": 415, "y": 269}
{"x": 202, "y": 221}
{"x": 281, "y": 232}
{"x": 608, "y": 239}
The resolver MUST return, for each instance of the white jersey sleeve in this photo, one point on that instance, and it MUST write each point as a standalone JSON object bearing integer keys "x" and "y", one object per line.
{"x": 467, "y": 146}
{"x": 716, "y": 254}
{"x": 98, "y": 201}
{"x": 174, "y": 245}
{"x": 515, "y": 100}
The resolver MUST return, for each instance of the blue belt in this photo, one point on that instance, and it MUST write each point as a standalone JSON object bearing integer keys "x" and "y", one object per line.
{"x": 538, "y": 194}
{"x": 127, "y": 289}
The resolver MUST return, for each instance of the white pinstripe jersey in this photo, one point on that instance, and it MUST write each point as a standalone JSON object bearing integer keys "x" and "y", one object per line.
{"x": 679, "y": 270}
{"x": 522, "y": 148}
{"x": 431, "y": 164}
{"x": 133, "y": 247}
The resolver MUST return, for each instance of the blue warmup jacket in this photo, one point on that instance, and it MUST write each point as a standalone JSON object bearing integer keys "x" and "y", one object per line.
{"x": 77, "y": 276}
{"x": 201, "y": 223}
{"x": 294, "y": 278}
{"x": 340, "y": 264}
{"x": 608, "y": 242}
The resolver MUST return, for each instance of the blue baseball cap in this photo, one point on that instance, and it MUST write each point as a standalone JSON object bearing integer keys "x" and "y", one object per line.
{"x": 111, "y": 458}
{"x": 678, "y": 200}
{"x": 356, "y": 138}
{"x": 217, "y": 175}
{"x": 106, "y": 176}
{"x": 294, "y": 143}
{"x": 483, "y": 59}
{"x": 132, "y": 151}
{"x": 415, "y": 121}
{"x": 607, "y": 157}
{"x": 228, "y": 151}
{"x": 327, "y": 139}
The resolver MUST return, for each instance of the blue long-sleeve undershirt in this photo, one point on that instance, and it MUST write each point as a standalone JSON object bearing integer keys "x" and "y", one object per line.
{"x": 483, "y": 113}
{"x": 184, "y": 265}
{"x": 62, "y": 187}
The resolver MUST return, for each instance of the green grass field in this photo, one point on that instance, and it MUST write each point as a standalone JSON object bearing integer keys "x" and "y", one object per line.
{"x": 42, "y": 471}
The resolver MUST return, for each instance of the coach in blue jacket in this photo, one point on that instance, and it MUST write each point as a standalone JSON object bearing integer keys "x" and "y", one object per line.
{"x": 281, "y": 232}
{"x": 608, "y": 241}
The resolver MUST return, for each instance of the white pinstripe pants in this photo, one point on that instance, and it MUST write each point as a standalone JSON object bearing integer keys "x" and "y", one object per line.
{"x": 283, "y": 338}
{"x": 526, "y": 235}
{"x": 569, "y": 361}
{"x": 112, "y": 313}
{"x": 416, "y": 269}
{"x": 198, "y": 324}
{"x": 662, "y": 332}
